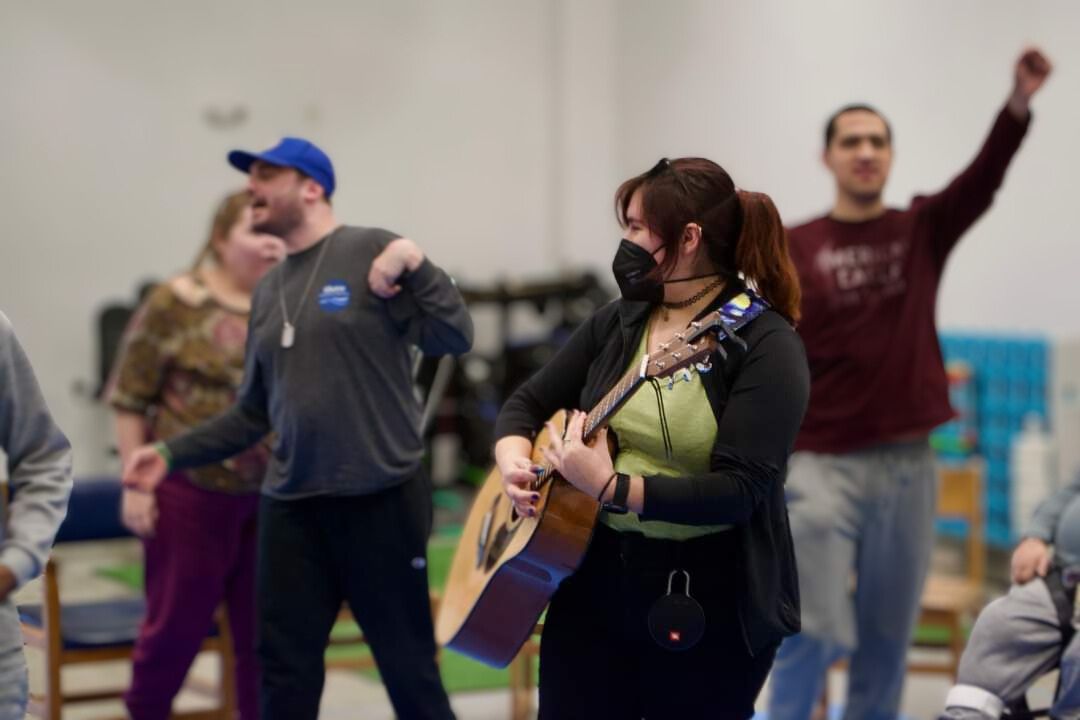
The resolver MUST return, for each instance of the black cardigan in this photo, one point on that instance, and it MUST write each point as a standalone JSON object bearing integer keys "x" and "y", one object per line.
{"x": 758, "y": 396}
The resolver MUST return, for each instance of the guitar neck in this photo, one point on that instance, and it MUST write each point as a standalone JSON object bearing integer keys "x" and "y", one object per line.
{"x": 690, "y": 346}
{"x": 614, "y": 399}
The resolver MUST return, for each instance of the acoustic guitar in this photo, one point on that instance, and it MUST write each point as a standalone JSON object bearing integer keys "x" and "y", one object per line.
{"x": 507, "y": 566}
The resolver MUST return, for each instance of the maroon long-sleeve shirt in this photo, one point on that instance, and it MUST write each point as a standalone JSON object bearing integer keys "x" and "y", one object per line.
{"x": 869, "y": 292}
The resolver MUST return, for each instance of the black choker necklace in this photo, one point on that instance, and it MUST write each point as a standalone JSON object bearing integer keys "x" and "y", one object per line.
{"x": 678, "y": 304}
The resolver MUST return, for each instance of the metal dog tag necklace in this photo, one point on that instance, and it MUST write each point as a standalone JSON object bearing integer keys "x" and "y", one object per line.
{"x": 288, "y": 329}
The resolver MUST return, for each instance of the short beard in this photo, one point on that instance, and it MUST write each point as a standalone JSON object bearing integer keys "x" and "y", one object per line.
{"x": 867, "y": 198}
{"x": 288, "y": 219}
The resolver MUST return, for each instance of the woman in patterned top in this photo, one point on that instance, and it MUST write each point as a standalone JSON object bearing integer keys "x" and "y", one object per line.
{"x": 181, "y": 363}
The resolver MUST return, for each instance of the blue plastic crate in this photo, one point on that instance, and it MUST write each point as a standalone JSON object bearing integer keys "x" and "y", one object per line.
{"x": 1010, "y": 381}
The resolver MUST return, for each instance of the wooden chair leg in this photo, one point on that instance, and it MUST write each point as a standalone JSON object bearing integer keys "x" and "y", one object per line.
{"x": 54, "y": 647}
{"x": 227, "y": 689}
{"x": 520, "y": 691}
{"x": 54, "y": 694}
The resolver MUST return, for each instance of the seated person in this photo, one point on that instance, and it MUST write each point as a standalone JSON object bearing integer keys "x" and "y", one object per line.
{"x": 1022, "y": 636}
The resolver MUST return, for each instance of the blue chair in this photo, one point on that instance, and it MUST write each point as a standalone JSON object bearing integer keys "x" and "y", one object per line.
{"x": 103, "y": 631}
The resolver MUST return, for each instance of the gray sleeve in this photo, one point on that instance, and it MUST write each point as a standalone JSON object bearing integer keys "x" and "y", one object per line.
{"x": 213, "y": 441}
{"x": 431, "y": 312}
{"x": 38, "y": 463}
{"x": 1043, "y": 524}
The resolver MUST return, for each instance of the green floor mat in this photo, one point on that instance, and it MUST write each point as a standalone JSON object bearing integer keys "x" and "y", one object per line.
{"x": 459, "y": 673}
{"x": 130, "y": 575}
{"x": 938, "y": 635}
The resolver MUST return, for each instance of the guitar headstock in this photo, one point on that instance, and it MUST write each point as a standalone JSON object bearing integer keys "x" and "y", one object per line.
{"x": 679, "y": 357}
{"x": 690, "y": 349}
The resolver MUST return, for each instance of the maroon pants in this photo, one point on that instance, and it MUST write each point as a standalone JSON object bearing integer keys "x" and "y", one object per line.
{"x": 203, "y": 553}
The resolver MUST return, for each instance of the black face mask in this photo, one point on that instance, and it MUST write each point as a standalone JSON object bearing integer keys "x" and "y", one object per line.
{"x": 631, "y": 266}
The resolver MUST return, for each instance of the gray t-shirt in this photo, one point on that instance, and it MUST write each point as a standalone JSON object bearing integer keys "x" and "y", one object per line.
{"x": 340, "y": 400}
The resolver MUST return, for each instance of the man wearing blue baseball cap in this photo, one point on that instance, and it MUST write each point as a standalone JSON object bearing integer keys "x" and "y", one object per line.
{"x": 346, "y": 508}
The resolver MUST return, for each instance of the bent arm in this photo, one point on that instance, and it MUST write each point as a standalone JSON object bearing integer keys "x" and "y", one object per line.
{"x": 556, "y": 386}
{"x": 755, "y": 435}
{"x": 431, "y": 312}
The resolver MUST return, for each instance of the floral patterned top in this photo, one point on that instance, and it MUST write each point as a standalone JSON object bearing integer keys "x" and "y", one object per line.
{"x": 181, "y": 362}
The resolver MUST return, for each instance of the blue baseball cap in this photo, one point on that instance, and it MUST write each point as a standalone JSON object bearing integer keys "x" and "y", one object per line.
{"x": 293, "y": 152}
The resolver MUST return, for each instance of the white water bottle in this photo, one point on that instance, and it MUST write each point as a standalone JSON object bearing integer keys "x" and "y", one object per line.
{"x": 1033, "y": 470}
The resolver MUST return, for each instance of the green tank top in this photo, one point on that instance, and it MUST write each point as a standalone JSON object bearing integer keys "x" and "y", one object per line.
{"x": 692, "y": 428}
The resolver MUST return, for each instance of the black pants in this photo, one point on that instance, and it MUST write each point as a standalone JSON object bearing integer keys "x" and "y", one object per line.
{"x": 598, "y": 660}
{"x": 369, "y": 550}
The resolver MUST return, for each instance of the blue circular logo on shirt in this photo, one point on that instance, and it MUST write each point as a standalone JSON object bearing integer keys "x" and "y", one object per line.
{"x": 334, "y": 296}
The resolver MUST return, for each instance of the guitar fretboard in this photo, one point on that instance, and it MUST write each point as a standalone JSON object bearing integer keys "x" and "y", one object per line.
{"x": 724, "y": 322}
{"x": 613, "y": 400}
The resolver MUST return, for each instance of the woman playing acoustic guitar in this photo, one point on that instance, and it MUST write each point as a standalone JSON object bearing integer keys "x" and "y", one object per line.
{"x": 689, "y": 581}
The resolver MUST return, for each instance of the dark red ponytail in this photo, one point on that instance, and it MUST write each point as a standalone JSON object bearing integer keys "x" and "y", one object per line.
{"x": 761, "y": 254}
{"x": 742, "y": 231}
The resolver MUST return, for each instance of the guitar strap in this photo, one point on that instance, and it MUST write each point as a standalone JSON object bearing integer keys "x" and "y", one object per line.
{"x": 737, "y": 313}
{"x": 732, "y": 316}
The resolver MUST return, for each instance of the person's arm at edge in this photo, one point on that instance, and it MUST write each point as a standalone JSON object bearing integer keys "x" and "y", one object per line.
{"x": 39, "y": 467}
{"x": 1044, "y": 520}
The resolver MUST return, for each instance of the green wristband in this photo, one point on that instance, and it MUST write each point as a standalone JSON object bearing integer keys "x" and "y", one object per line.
{"x": 163, "y": 451}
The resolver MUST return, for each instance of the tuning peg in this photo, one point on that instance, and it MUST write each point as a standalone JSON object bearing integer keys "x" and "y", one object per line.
{"x": 704, "y": 367}
{"x": 687, "y": 374}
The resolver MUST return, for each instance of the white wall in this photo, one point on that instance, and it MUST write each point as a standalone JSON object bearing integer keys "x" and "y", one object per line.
{"x": 439, "y": 117}
{"x": 750, "y": 85}
{"x": 495, "y": 132}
